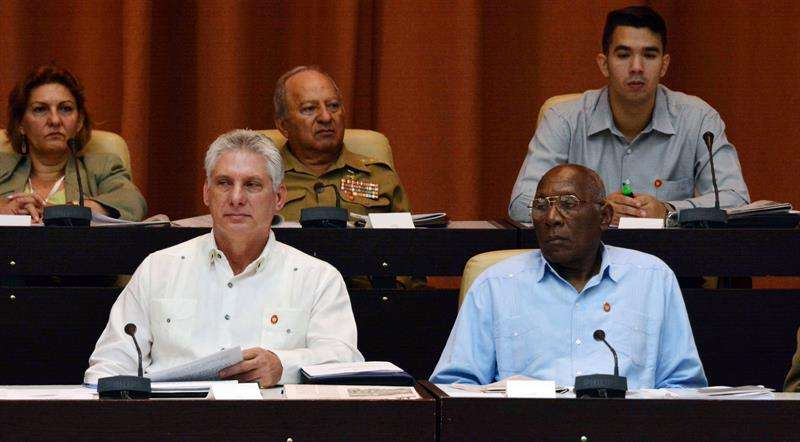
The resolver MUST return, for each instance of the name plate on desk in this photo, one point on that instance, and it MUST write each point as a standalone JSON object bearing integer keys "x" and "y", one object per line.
{"x": 641, "y": 223}
{"x": 15, "y": 220}
{"x": 531, "y": 389}
{"x": 399, "y": 220}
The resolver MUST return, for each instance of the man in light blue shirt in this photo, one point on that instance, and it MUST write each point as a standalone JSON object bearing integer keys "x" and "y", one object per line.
{"x": 534, "y": 314}
{"x": 636, "y": 131}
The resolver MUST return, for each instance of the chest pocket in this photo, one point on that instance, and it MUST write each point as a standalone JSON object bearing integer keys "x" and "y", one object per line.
{"x": 630, "y": 337}
{"x": 675, "y": 190}
{"x": 511, "y": 335}
{"x": 173, "y": 321}
{"x": 284, "y": 328}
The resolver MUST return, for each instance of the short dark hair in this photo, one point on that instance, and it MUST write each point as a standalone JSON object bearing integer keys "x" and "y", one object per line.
{"x": 40, "y": 76}
{"x": 637, "y": 17}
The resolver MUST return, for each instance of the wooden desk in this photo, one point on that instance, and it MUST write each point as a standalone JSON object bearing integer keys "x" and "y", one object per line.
{"x": 181, "y": 419}
{"x": 373, "y": 252}
{"x": 613, "y": 419}
{"x": 704, "y": 252}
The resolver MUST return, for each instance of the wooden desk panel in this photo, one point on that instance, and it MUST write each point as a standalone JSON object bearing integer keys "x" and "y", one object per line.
{"x": 283, "y": 420}
{"x": 709, "y": 252}
{"x": 119, "y": 250}
{"x": 613, "y": 419}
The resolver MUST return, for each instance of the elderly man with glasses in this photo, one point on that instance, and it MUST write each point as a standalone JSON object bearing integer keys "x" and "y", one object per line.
{"x": 534, "y": 314}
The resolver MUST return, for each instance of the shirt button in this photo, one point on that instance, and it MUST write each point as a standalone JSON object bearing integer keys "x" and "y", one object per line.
{"x": 227, "y": 317}
{"x": 577, "y": 342}
{"x": 230, "y": 285}
{"x": 628, "y": 151}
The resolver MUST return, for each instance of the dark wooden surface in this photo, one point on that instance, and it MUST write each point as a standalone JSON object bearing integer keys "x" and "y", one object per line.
{"x": 49, "y": 333}
{"x": 431, "y": 252}
{"x": 614, "y": 419}
{"x": 709, "y": 252}
{"x": 410, "y": 420}
{"x": 375, "y": 252}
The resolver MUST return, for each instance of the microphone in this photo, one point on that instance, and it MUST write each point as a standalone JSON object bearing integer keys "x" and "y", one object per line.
{"x": 705, "y": 216}
{"x": 325, "y": 217}
{"x": 67, "y": 214}
{"x": 126, "y": 387}
{"x": 602, "y": 385}
{"x": 708, "y": 137}
{"x": 130, "y": 329}
{"x": 600, "y": 335}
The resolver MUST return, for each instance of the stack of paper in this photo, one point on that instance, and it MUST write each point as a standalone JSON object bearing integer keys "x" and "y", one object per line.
{"x": 203, "y": 369}
{"x": 349, "y": 392}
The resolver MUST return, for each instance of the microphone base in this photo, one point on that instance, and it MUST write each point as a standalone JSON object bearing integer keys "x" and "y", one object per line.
{"x": 601, "y": 386}
{"x": 67, "y": 215}
{"x": 703, "y": 217}
{"x": 124, "y": 387}
{"x": 324, "y": 217}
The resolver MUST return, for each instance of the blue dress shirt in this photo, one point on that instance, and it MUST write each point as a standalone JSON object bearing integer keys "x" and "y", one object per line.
{"x": 521, "y": 317}
{"x": 668, "y": 159}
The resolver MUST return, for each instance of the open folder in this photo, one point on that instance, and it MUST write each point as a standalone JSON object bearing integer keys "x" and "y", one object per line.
{"x": 356, "y": 373}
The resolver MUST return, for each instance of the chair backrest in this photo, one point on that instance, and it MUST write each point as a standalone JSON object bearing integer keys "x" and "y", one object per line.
{"x": 478, "y": 263}
{"x": 368, "y": 143}
{"x": 552, "y": 101}
{"x": 101, "y": 142}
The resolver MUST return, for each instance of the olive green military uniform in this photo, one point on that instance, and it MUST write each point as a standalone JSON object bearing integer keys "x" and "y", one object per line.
{"x": 358, "y": 171}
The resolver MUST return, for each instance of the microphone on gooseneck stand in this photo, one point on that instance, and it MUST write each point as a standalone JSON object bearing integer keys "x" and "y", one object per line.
{"x": 705, "y": 216}
{"x": 68, "y": 214}
{"x": 325, "y": 217}
{"x": 126, "y": 387}
{"x": 602, "y": 385}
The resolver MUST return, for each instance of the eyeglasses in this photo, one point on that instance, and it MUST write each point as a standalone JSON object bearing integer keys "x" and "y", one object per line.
{"x": 566, "y": 204}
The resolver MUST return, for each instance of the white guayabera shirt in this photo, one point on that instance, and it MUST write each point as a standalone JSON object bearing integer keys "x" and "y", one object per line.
{"x": 186, "y": 304}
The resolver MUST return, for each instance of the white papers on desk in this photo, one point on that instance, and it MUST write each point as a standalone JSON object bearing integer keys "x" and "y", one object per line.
{"x": 348, "y": 392}
{"x": 499, "y": 386}
{"x": 99, "y": 220}
{"x": 47, "y": 393}
{"x": 187, "y": 387}
{"x": 338, "y": 368}
{"x": 203, "y": 369}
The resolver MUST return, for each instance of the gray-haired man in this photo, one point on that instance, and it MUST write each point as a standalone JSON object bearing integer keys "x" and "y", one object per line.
{"x": 235, "y": 286}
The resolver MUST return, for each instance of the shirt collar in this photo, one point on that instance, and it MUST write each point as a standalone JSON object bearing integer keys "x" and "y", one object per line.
{"x": 606, "y": 268}
{"x": 215, "y": 255}
{"x": 346, "y": 159}
{"x": 603, "y": 119}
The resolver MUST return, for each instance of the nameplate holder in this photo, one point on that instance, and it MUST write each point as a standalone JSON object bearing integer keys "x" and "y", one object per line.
{"x": 640, "y": 223}
{"x": 531, "y": 389}
{"x": 15, "y": 220}
{"x": 397, "y": 220}
{"x": 231, "y": 391}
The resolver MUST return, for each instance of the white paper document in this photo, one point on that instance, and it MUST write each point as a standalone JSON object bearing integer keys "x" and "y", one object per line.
{"x": 48, "y": 393}
{"x": 99, "y": 220}
{"x": 350, "y": 368}
{"x": 186, "y": 387}
{"x": 499, "y": 386}
{"x": 349, "y": 392}
{"x": 203, "y": 369}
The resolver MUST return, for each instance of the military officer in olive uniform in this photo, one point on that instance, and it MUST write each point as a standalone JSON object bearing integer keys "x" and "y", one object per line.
{"x": 309, "y": 112}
